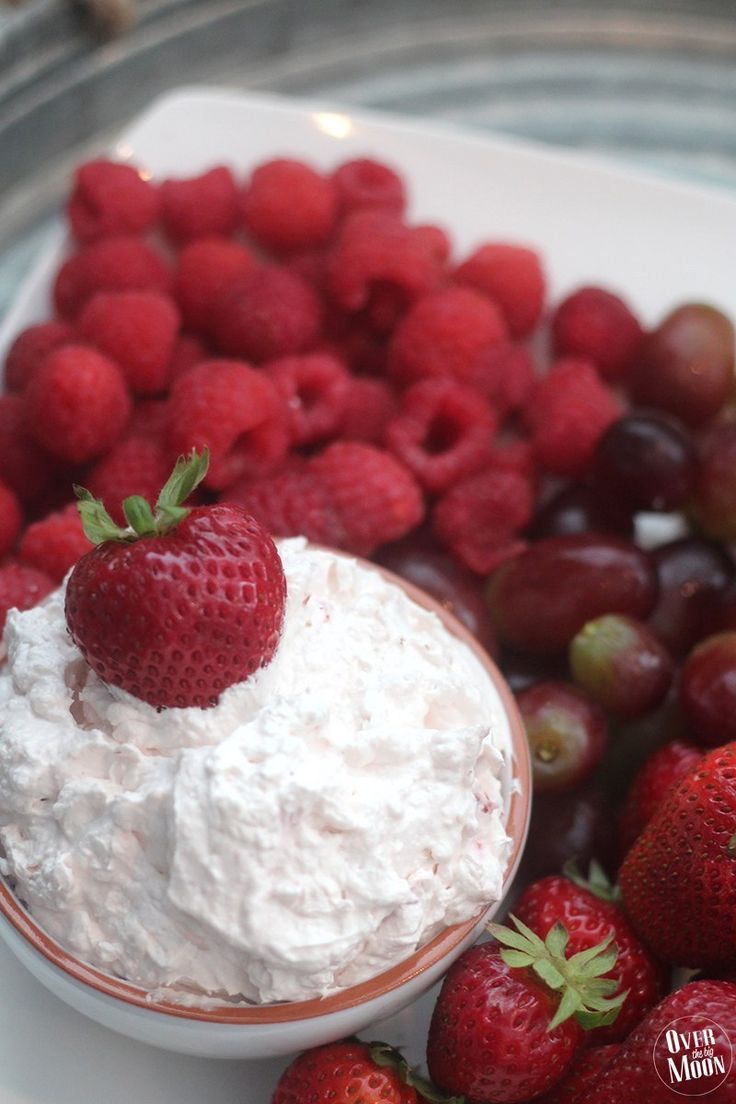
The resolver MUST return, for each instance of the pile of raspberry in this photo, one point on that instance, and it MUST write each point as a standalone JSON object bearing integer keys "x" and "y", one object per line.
{"x": 353, "y": 382}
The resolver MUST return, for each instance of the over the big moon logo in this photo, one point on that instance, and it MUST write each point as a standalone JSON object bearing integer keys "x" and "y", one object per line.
{"x": 693, "y": 1056}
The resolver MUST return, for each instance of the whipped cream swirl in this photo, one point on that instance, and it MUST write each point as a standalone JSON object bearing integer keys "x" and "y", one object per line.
{"x": 330, "y": 815}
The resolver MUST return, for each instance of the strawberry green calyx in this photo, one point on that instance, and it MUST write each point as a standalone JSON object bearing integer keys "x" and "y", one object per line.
{"x": 188, "y": 473}
{"x": 598, "y": 883}
{"x": 387, "y": 1056}
{"x": 584, "y": 992}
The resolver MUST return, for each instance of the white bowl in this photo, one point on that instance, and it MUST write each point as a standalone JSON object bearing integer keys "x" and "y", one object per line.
{"x": 257, "y": 1031}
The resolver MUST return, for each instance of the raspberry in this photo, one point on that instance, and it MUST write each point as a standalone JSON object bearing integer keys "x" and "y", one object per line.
{"x": 315, "y": 391}
{"x": 293, "y": 503}
{"x": 137, "y": 329}
{"x": 374, "y": 247}
{"x": 134, "y": 466}
{"x": 77, "y": 403}
{"x": 54, "y": 544}
{"x": 505, "y": 374}
{"x": 205, "y": 270}
{"x": 362, "y": 350}
{"x": 366, "y": 184}
{"x": 114, "y": 264}
{"x": 513, "y": 277}
{"x": 443, "y": 432}
{"x": 267, "y": 314}
{"x": 376, "y": 498}
{"x": 370, "y": 407}
{"x": 288, "y": 206}
{"x": 386, "y": 304}
{"x": 150, "y": 419}
{"x": 55, "y": 496}
{"x": 200, "y": 206}
{"x": 594, "y": 324}
{"x": 236, "y": 412}
{"x": 434, "y": 240}
{"x": 188, "y": 351}
{"x": 21, "y": 587}
{"x": 567, "y": 413}
{"x": 516, "y": 456}
{"x": 311, "y": 266}
{"x": 478, "y": 520}
{"x": 26, "y": 467}
{"x": 10, "y": 519}
{"x": 109, "y": 199}
{"x": 443, "y": 334}
{"x": 30, "y": 348}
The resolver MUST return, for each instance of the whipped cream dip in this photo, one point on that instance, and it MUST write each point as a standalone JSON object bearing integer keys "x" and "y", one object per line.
{"x": 325, "y": 819}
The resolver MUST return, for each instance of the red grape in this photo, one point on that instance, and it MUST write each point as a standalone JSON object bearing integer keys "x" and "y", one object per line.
{"x": 572, "y": 824}
{"x": 578, "y": 509}
{"x": 620, "y": 662}
{"x": 458, "y": 590}
{"x": 542, "y": 597}
{"x": 718, "y": 613}
{"x": 566, "y": 732}
{"x": 521, "y": 669}
{"x": 714, "y": 500}
{"x": 693, "y": 574}
{"x": 708, "y": 690}
{"x": 645, "y": 462}
{"x": 686, "y": 364}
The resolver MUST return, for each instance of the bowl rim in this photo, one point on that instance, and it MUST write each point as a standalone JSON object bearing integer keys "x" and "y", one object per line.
{"x": 419, "y": 962}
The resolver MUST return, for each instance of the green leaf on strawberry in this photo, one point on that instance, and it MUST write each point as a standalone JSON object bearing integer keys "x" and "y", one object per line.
{"x": 97, "y": 523}
{"x": 139, "y": 516}
{"x": 99, "y": 527}
{"x": 585, "y": 993}
{"x": 598, "y": 883}
{"x": 188, "y": 473}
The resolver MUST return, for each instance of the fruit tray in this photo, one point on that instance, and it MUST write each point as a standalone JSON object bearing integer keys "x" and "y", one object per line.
{"x": 657, "y": 242}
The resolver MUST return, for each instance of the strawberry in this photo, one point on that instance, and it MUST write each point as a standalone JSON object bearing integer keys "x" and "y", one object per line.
{"x": 659, "y": 1061}
{"x": 666, "y": 766}
{"x": 183, "y": 602}
{"x": 509, "y": 1019}
{"x": 590, "y": 913}
{"x": 678, "y": 881}
{"x": 351, "y": 1072}
{"x": 583, "y": 1076}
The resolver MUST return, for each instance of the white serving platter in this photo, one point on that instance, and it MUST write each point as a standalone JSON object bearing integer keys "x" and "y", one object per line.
{"x": 656, "y": 241}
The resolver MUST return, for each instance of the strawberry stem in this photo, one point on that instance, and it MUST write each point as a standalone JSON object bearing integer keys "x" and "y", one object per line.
{"x": 598, "y": 883}
{"x": 188, "y": 473}
{"x": 139, "y": 516}
{"x": 387, "y": 1056}
{"x": 584, "y": 991}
